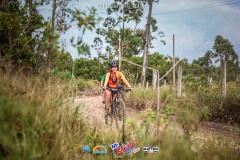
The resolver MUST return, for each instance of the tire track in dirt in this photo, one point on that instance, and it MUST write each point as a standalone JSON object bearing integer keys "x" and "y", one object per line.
{"x": 93, "y": 109}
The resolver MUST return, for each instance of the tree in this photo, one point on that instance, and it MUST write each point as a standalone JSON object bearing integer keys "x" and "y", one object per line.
{"x": 224, "y": 52}
{"x": 58, "y": 24}
{"x": 205, "y": 63}
{"x": 88, "y": 68}
{"x": 85, "y": 22}
{"x": 98, "y": 45}
{"x": 63, "y": 60}
{"x": 18, "y": 32}
{"x": 146, "y": 44}
{"x": 120, "y": 12}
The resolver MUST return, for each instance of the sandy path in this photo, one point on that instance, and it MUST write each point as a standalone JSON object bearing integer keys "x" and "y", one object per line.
{"x": 93, "y": 110}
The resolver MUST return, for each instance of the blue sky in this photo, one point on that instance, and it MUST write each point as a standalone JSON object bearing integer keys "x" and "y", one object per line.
{"x": 194, "y": 30}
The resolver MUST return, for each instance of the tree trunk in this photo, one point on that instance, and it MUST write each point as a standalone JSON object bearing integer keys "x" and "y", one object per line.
{"x": 145, "y": 53}
{"x": 29, "y": 27}
{"x": 10, "y": 41}
{"x": 99, "y": 53}
{"x": 51, "y": 38}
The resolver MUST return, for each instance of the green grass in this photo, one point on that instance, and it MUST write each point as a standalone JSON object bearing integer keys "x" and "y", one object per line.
{"x": 40, "y": 121}
{"x": 141, "y": 99}
{"x": 36, "y": 120}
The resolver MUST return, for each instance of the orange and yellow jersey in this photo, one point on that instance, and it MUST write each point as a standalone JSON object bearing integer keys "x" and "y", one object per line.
{"x": 112, "y": 79}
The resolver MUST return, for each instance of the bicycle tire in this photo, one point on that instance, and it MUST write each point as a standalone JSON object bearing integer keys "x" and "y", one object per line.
{"x": 115, "y": 112}
{"x": 123, "y": 110}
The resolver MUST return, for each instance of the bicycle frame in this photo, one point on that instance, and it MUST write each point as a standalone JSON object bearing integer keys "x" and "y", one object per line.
{"x": 115, "y": 95}
{"x": 115, "y": 98}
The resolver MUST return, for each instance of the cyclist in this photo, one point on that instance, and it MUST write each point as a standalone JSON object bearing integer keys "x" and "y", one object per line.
{"x": 102, "y": 83}
{"x": 112, "y": 80}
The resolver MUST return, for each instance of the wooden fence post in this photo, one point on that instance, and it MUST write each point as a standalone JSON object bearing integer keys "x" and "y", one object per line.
{"x": 224, "y": 77}
{"x": 179, "y": 82}
{"x": 154, "y": 79}
{"x": 165, "y": 82}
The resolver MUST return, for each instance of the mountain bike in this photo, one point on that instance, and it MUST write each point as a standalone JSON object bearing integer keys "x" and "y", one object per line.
{"x": 117, "y": 109}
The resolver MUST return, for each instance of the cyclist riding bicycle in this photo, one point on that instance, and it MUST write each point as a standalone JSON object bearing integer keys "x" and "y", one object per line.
{"x": 102, "y": 84}
{"x": 112, "y": 80}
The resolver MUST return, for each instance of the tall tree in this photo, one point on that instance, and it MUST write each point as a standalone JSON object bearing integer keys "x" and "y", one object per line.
{"x": 98, "y": 45}
{"x": 85, "y": 22}
{"x": 58, "y": 24}
{"x": 146, "y": 43}
{"x": 18, "y": 23}
{"x": 132, "y": 37}
{"x": 224, "y": 52}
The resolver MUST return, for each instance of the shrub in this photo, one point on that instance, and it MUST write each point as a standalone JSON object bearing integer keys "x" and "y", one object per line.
{"x": 38, "y": 120}
{"x": 222, "y": 109}
{"x": 141, "y": 99}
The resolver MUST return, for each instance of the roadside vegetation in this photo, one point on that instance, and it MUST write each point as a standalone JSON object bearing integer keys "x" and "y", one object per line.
{"x": 34, "y": 126}
{"x": 39, "y": 81}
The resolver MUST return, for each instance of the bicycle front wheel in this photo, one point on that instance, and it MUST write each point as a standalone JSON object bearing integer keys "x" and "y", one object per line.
{"x": 121, "y": 110}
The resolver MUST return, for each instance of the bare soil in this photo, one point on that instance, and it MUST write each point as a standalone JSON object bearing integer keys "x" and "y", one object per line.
{"x": 93, "y": 110}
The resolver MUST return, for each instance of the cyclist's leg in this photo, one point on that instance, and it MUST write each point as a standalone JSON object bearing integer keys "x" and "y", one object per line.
{"x": 103, "y": 97}
{"x": 107, "y": 100}
{"x": 107, "y": 106}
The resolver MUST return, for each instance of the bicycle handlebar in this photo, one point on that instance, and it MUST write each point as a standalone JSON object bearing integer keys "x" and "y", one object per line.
{"x": 122, "y": 89}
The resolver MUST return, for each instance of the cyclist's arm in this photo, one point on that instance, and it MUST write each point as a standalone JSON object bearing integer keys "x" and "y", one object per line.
{"x": 125, "y": 81}
{"x": 102, "y": 81}
{"x": 106, "y": 80}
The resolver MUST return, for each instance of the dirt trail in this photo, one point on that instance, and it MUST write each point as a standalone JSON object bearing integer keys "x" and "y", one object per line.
{"x": 92, "y": 107}
{"x": 93, "y": 110}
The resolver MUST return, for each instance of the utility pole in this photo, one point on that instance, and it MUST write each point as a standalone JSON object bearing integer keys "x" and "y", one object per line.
{"x": 119, "y": 52}
{"x": 145, "y": 53}
{"x": 121, "y": 40}
{"x": 174, "y": 60}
